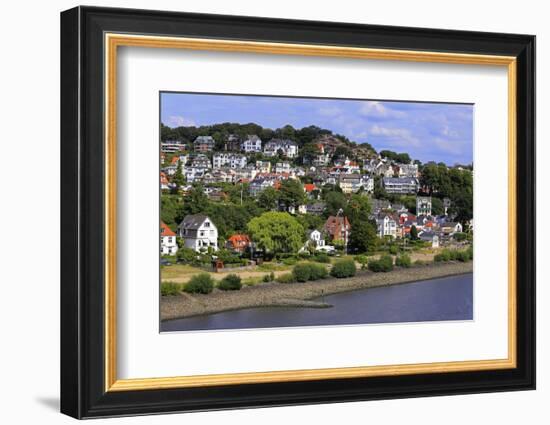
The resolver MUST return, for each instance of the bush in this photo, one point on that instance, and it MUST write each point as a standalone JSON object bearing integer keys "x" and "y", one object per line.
{"x": 201, "y": 283}
{"x": 444, "y": 255}
{"x": 286, "y": 278}
{"x": 463, "y": 256}
{"x": 403, "y": 260}
{"x": 459, "y": 236}
{"x": 344, "y": 268}
{"x": 419, "y": 263}
{"x": 169, "y": 288}
{"x": 304, "y": 255}
{"x": 302, "y": 272}
{"x": 289, "y": 261}
{"x": 321, "y": 258}
{"x": 317, "y": 271}
{"x": 384, "y": 264}
{"x": 231, "y": 282}
{"x": 361, "y": 259}
{"x": 393, "y": 249}
{"x": 269, "y": 277}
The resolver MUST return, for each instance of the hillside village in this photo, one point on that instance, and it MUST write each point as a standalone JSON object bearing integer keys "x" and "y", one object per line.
{"x": 221, "y": 192}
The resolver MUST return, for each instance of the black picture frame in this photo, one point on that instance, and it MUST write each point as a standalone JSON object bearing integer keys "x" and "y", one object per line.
{"x": 82, "y": 206}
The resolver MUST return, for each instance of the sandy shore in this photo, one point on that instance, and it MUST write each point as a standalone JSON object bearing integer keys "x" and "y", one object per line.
{"x": 298, "y": 294}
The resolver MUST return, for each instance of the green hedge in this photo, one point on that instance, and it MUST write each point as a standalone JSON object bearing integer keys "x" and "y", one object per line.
{"x": 231, "y": 282}
{"x": 344, "y": 268}
{"x": 321, "y": 258}
{"x": 286, "y": 278}
{"x": 201, "y": 283}
{"x": 169, "y": 288}
{"x": 403, "y": 260}
{"x": 309, "y": 271}
{"x": 455, "y": 255}
{"x": 384, "y": 264}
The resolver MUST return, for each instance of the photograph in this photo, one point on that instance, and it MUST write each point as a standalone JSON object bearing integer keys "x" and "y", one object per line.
{"x": 293, "y": 211}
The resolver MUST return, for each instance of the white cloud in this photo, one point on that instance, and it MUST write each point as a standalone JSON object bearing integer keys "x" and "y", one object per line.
{"x": 448, "y": 132}
{"x": 395, "y": 136}
{"x": 378, "y": 110}
{"x": 329, "y": 111}
{"x": 179, "y": 121}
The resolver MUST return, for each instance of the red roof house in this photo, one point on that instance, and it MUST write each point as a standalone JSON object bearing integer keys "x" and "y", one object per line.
{"x": 238, "y": 242}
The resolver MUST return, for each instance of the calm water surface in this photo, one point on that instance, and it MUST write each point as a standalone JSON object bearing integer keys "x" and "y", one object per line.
{"x": 449, "y": 298}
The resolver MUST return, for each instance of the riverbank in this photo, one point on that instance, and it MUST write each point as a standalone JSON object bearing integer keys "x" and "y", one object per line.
{"x": 299, "y": 294}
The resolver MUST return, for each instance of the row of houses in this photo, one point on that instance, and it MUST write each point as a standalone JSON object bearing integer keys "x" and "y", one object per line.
{"x": 199, "y": 233}
{"x": 392, "y": 221}
{"x": 251, "y": 144}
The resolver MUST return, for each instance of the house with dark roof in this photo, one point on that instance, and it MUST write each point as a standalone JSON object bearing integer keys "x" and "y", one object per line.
{"x": 204, "y": 144}
{"x": 198, "y": 232}
{"x": 400, "y": 185}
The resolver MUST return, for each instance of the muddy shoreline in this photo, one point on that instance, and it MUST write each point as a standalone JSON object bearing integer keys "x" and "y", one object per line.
{"x": 299, "y": 294}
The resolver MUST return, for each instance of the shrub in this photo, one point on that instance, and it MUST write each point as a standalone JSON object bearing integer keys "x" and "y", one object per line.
{"x": 317, "y": 271}
{"x": 403, "y": 260}
{"x": 470, "y": 252}
{"x": 289, "y": 261}
{"x": 393, "y": 249}
{"x": 187, "y": 256}
{"x": 444, "y": 255}
{"x": 169, "y": 288}
{"x": 459, "y": 236}
{"x": 361, "y": 259}
{"x": 231, "y": 282}
{"x": 344, "y": 268}
{"x": 384, "y": 264}
{"x": 201, "y": 283}
{"x": 286, "y": 278}
{"x": 302, "y": 272}
{"x": 321, "y": 258}
{"x": 463, "y": 256}
{"x": 269, "y": 277}
{"x": 420, "y": 263}
{"x": 304, "y": 255}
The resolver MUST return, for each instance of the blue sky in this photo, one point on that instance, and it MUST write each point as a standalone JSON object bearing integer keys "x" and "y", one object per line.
{"x": 427, "y": 131}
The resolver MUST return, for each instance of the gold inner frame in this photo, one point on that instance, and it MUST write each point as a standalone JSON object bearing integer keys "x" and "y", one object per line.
{"x": 113, "y": 41}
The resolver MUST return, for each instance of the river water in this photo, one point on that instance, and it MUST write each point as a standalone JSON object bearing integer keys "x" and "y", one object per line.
{"x": 449, "y": 298}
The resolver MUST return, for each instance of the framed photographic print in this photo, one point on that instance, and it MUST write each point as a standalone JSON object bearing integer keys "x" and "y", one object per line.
{"x": 261, "y": 212}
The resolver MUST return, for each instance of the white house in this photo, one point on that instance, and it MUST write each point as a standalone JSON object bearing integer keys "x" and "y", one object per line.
{"x": 232, "y": 160}
{"x": 252, "y": 144}
{"x": 314, "y": 239}
{"x": 400, "y": 185}
{"x": 168, "y": 245}
{"x": 287, "y": 147}
{"x": 282, "y": 167}
{"x": 450, "y": 228}
{"x": 263, "y": 166}
{"x": 387, "y": 226}
{"x": 198, "y": 232}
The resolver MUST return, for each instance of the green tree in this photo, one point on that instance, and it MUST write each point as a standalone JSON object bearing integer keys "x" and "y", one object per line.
{"x": 414, "y": 232}
{"x": 335, "y": 201}
{"x": 277, "y": 232}
{"x": 195, "y": 201}
{"x": 363, "y": 237}
{"x": 358, "y": 209}
{"x": 268, "y": 199}
{"x": 291, "y": 193}
{"x": 178, "y": 179}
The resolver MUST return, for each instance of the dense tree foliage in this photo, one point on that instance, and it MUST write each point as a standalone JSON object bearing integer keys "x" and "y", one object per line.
{"x": 277, "y": 232}
{"x": 440, "y": 181}
{"x": 402, "y": 158}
